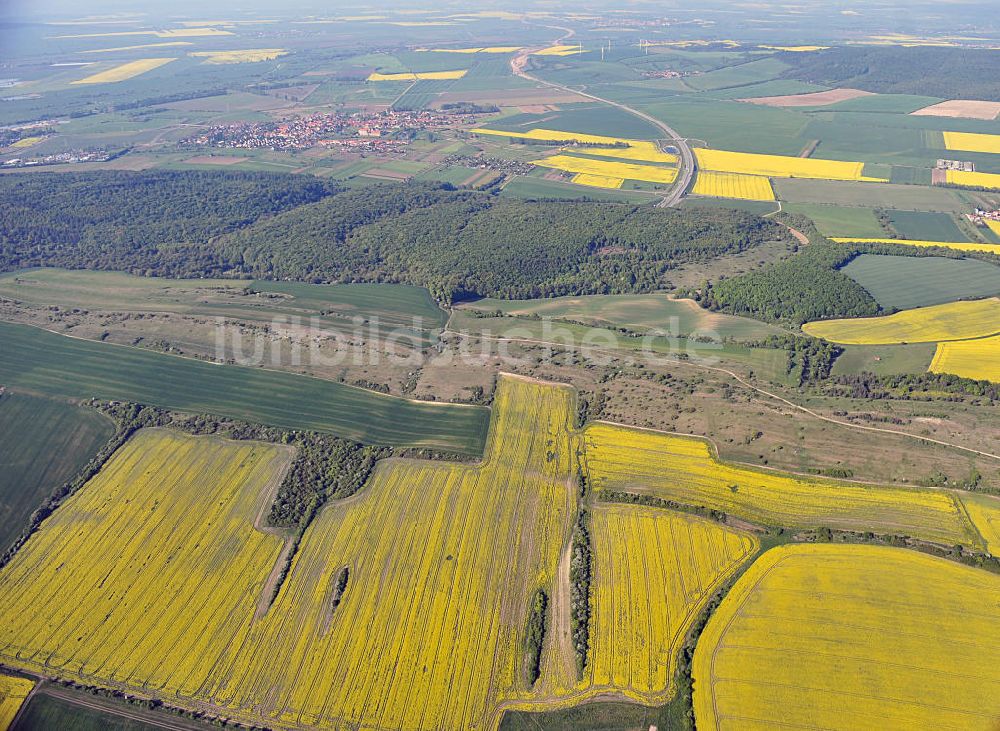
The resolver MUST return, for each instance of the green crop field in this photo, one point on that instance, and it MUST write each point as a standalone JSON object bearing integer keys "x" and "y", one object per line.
{"x": 591, "y": 119}
{"x": 45, "y": 712}
{"x": 925, "y": 226}
{"x": 531, "y": 188}
{"x": 884, "y": 360}
{"x": 840, "y": 220}
{"x": 43, "y": 443}
{"x": 37, "y": 360}
{"x": 642, "y": 312}
{"x": 875, "y": 195}
{"x": 741, "y": 75}
{"x": 904, "y": 282}
{"x": 760, "y": 208}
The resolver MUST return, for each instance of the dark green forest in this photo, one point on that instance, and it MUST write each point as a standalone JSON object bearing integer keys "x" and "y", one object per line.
{"x": 949, "y": 73}
{"x": 457, "y": 243}
{"x": 157, "y": 221}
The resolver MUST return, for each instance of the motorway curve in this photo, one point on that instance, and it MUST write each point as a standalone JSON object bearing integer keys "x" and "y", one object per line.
{"x": 687, "y": 165}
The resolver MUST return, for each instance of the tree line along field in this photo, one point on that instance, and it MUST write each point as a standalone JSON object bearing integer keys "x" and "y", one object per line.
{"x": 429, "y": 549}
{"x": 835, "y": 636}
{"x": 33, "y": 359}
{"x": 43, "y": 443}
{"x": 142, "y": 581}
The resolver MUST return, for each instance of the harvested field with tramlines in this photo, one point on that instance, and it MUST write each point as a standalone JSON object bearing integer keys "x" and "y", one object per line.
{"x": 685, "y": 470}
{"x": 951, "y": 321}
{"x": 846, "y": 637}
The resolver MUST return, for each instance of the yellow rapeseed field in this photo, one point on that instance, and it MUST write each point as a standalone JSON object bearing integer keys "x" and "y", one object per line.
{"x": 984, "y": 510}
{"x": 422, "y": 75}
{"x": 978, "y": 359}
{"x": 684, "y": 469}
{"x": 653, "y": 571}
{"x": 733, "y": 185}
{"x": 641, "y": 150}
{"x": 125, "y": 71}
{"x": 626, "y": 170}
{"x": 780, "y": 166}
{"x": 850, "y": 637}
{"x": 973, "y": 180}
{"x": 149, "y": 574}
{"x": 150, "y": 577}
{"x": 992, "y": 248}
{"x": 972, "y": 142}
{"x": 558, "y": 51}
{"x": 993, "y": 226}
{"x": 795, "y": 49}
{"x": 13, "y": 691}
{"x": 950, "y": 321}
{"x": 597, "y": 181}
{"x": 250, "y": 55}
{"x": 27, "y": 142}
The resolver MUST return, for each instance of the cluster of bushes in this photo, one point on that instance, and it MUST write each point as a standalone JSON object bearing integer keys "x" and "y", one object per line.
{"x": 811, "y": 357}
{"x": 535, "y": 635}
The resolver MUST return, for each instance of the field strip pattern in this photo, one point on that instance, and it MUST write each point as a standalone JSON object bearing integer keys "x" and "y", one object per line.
{"x": 684, "y": 469}
{"x": 606, "y": 168}
{"x": 779, "y": 166}
{"x": 618, "y": 147}
{"x": 833, "y": 636}
{"x": 653, "y": 571}
{"x": 961, "y": 320}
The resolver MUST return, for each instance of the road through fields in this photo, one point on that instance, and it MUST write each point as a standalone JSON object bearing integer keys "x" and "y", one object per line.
{"x": 687, "y": 165}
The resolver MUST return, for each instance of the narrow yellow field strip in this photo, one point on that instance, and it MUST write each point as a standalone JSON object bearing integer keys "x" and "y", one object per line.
{"x": 733, "y": 185}
{"x": 977, "y": 359}
{"x": 972, "y": 142}
{"x": 625, "y": 170}
{"x": 13, "y": 691}
{"x": 984, "y": 510}
{"x": 795, "y": 49}
{"x": 823, "y": 636}
{"x": 643, "y": 150}
{"x": 950, "y": 321}
{"x": 957, "y": 246}
{"x": 250, "y": 55}
{"x": 597, "y": 181}
{"x": 174, "y": 33}
{"x": 27, "y": 142}
{"x": 422, "y": 75}
{"x": 125, "y": 71}
{"x": 780, "y": 166}
{"x": 973, "y": 180}
{"x": 558, "y": 51}
{"x": 685, "y": 469}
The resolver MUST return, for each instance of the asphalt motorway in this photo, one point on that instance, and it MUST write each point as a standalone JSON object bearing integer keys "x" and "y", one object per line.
{"x": 687, "y": 165}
